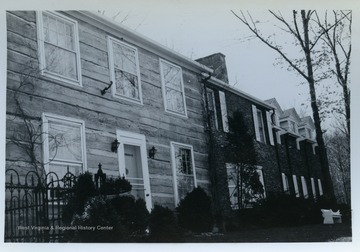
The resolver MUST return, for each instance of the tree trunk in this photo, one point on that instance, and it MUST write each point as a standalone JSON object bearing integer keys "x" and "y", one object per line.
{"x": 329, "y": 190}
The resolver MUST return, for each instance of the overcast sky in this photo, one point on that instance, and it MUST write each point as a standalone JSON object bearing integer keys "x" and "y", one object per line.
{"x": 196, "y": 30}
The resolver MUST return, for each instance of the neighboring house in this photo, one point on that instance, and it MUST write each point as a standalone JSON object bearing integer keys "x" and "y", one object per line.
{"x": 284, "y": 143}
{"x": 101, "y": 93}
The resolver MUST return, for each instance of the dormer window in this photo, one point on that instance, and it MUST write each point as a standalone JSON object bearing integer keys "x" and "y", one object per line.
{"x": 292, "y": 126}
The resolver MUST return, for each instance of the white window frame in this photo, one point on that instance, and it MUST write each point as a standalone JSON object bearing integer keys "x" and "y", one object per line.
{"x": 61, "y": 119}
{"x": 162, "y": 61}
{"x": 41, "y": 46}
{"x": 111, "y": 41}
{"x": 210, "y": 91}
{"x": 173, "y": 164}
{"x": 285, "y": 182}
{"x": 304, "y": 187}
{"x": 313, "y": 188}
{"x": 296, "y": 186}
{"x": 320, "y": 187}
{"x": 224, "y": 114}
{"x": 255, "y": 111}
{"x": 269, "y": 125}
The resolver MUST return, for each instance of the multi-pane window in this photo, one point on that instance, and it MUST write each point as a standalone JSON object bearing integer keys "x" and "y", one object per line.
{"x": 124, "y": 68}
{"x": 59, "y": 47}
{"x": 183, "y": 169}
{"x": 246, "y": 184}
{"x": 64, "y": 145}
{"x": 259, "y": 125}
{"x": 212, "y": 108}
{"x": 173, "y": 88}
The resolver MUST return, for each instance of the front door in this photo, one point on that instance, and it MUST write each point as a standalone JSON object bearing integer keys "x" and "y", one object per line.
{"x": 133, "y": 164}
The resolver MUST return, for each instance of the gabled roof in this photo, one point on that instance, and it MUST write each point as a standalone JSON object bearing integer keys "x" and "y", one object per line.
{"x": 275, "y": 103}
{"x": 290, "y": 113}
{"x": 307, "y": 120}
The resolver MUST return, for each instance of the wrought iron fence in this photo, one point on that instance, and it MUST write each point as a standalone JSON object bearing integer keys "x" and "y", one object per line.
{"x": 34, "y": 205}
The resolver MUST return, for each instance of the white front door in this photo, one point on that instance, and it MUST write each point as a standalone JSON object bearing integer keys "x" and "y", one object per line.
{"x": 133, "y": 164}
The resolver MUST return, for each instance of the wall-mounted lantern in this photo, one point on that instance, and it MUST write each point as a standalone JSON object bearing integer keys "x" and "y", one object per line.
{"x": 115, "y": 145}
{"x": 104, "y": 90}
{"x": 152, "y": 152}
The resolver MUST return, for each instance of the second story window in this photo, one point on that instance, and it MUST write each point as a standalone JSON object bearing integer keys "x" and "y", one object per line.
{"x": 59, "y": 47}
{"x": 258, "y": 124}
{"x": 212, "y": 108}
{"x": 224, "y": 115}
{"x": 173, "y": 88}
{"x": 124, "y": 71}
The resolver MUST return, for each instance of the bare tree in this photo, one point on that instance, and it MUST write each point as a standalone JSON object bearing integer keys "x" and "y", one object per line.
{"x": 26, "y": 131}
{"x": 338, "y": 40}
{"x": 307, "y": 38}
{"x": 338, "y": 147}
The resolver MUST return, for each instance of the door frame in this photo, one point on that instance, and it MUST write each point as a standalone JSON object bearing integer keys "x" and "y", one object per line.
{"x": 134, "y": 139}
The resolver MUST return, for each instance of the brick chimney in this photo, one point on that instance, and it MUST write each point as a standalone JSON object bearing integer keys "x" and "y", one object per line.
{"x": 216, "y": 62}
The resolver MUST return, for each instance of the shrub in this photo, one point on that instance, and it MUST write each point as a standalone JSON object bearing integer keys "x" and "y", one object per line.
{"x": 195, "y": 211}
{"x": 82, "y": 190}
{"x": 163, "y": 225}
{"x": 98, "y": 212}
{"x": 286, "y": 210}
{"x": 115, "y": 186}
{"x": 132, "y": 213}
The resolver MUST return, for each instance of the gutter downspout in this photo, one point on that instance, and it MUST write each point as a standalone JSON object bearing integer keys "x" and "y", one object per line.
{"x": 219, "y": 211}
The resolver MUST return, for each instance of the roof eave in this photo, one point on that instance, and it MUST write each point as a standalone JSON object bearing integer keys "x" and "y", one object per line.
{"x": 226, "y": 86}
{"x": 138, "y": 39}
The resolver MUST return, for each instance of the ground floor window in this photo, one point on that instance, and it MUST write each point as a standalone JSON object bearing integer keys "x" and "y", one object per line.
{"x": 285, "y": 182}
{"x": 246, "y": 184}
{"x": 304, "y": 187}
{"x": 63, "y": 145}
{"x": 183, "y": 165}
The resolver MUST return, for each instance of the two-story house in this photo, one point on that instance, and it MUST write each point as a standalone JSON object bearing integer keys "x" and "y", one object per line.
{"x": 83, "y": 90}
{"x": 95, "y": 92}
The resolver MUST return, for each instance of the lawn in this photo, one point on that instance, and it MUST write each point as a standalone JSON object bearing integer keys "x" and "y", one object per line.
{"x": 306, "y": 233}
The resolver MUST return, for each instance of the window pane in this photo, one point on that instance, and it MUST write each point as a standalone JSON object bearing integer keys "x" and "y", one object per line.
{"x": 261, "y": 126}
{"x": 172, "y": 77}
{"x": 60, "y": 61}
{"x": 64, "y": 142}
{"x": 183, "y": 161}
{"x": 127, "y": 84}
{"x": 175, "y": 101}
{"x": 62, "y": 169}
{"x": 124, "y": 58}
{"x": 58, "y": 32}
